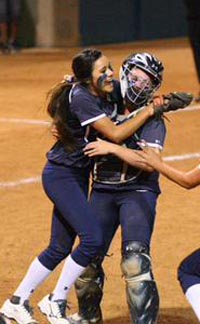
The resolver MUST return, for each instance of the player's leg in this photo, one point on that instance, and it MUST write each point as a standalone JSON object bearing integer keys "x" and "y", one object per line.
{"x": 189, "y": 278}
{"x": 193, "y": 18}
{"x": 62, "y": 238}
{"x": 14, "y": 11}
{"x": 60, "y": 244}
{"x": 68, "y": 190}
{"x": 137, "y": 220}
{"x": 89, "y": 286}
{"x": 89, "y": 291}
{"x": 3, "y": 27}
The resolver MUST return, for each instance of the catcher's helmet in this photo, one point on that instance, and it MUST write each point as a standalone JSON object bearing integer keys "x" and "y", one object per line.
{"x": 134, "y": 95}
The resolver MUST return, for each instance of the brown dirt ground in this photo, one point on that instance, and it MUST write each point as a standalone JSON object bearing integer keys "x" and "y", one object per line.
{"x": 25, "y": 79}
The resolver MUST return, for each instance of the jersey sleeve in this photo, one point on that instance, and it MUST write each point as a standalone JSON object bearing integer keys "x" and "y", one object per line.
{"x": 154, "y": 133}
{"x": 86, "y": 108}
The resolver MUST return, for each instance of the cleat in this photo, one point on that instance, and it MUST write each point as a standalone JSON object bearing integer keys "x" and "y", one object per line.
{"x": 22, "y": 313}
{"x": 54, "y": 310}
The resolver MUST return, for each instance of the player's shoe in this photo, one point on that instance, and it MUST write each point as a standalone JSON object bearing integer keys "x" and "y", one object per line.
{"x": 22, "y": 313}
{"x": 77, "y": 319}
{"x": 54, "y": 310}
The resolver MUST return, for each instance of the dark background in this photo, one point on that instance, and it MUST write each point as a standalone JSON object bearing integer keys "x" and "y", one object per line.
{"x": 117, "y": 21}
{"x": 113, "y": 21}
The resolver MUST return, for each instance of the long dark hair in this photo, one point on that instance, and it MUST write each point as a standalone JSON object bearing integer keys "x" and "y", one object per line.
{"x": 82, "y": 64}
{"x": 58, "y": 110}
{"x": 58, "y": 105}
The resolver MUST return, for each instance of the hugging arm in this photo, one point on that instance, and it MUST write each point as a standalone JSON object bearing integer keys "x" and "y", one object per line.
{"x": 188, "y": 180}
{"x": 160, "y": 105}
{"x": 101, "y": 147}
{"x": 118, "y": 133}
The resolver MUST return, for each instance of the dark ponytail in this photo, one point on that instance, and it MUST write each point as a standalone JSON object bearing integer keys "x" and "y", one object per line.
{"x": 58, "y": 110}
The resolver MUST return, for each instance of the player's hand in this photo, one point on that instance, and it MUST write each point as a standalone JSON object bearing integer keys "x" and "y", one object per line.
{"x": 54, "y": 131}
{"x": 158, "y": 100}
{"x": 149, "y": 156}
{"x": 99, "y": 147}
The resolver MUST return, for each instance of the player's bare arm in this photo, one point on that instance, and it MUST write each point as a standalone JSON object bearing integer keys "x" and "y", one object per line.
{"x": 159, "y": 105}
{"x": 101, "y": 147}
{"x": 118, "y": 133}
{"x": 188, "y": 180}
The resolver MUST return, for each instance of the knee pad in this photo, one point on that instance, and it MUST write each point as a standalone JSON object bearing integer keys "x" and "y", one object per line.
{"x": 136, "y": 262}
{"x": 89, "y": 291}
{"x": 141, "y": 290}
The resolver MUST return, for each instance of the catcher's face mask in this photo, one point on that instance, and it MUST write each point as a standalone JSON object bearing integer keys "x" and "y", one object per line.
{"x": 140, "y": 77}
{"x": 137, "y": 86}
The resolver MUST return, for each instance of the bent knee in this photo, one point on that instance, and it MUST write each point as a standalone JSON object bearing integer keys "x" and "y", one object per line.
{"x": 53, "y": 255}
{"x": 93, "y": 243}
{"x": 136, "y": 262}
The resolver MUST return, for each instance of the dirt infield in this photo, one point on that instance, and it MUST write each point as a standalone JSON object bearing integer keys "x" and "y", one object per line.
{"x": 25, "y": 79}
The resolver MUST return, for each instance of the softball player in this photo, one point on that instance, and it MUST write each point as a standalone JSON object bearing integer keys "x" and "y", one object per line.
{"x": 193, "y": 19}
{"x": 189, "y": 269}
{"x": 126, "y": 196}
{"x": 79, "y": 110}
{"x": 9, "y": 20}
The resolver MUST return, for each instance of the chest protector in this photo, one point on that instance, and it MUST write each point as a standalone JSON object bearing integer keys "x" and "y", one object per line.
{"x": 110, "y": 169}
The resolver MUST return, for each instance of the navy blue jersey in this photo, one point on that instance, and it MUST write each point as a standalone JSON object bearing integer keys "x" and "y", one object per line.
{"x": 85, "y": 108}
{"x": 111, "y": 173}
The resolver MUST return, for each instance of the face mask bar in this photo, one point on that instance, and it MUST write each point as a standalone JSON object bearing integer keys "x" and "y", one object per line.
{"x": 136, "y": 89}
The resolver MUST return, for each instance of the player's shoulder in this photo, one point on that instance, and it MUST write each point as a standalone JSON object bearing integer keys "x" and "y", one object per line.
{"x": 79, "y": 90}
{"x": 79, "y": 94}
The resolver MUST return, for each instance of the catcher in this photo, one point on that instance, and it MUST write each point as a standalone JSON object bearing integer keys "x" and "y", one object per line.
{"x": 189, "y": 268}
{"x": 129, "y": 195}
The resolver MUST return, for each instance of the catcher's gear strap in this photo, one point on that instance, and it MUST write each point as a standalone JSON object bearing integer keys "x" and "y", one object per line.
{"x": 141, "y": 290}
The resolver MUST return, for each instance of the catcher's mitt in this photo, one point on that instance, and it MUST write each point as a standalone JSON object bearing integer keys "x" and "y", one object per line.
{"x": 174, "y": 101}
